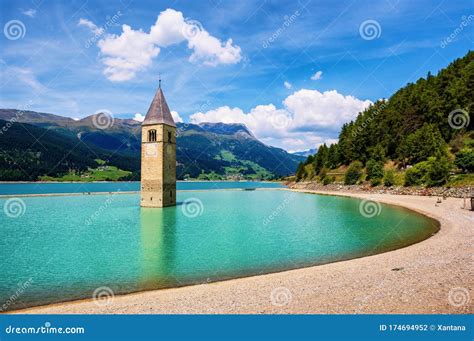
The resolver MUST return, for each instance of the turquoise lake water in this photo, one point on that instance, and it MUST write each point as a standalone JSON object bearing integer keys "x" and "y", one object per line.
{"x": 61, "y": 248}
{"x": 122, "y": 186}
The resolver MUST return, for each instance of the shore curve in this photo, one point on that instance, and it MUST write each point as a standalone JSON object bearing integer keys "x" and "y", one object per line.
{"x": 430, "y": 277}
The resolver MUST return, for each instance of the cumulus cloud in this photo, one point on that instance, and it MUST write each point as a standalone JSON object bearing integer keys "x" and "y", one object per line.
{"x": 317, "y": 76}
{"x": 307, "y": 119}
{"x": 132, "y": 51}
{"x": 287, "y": 85}
{"x": 138, "y": 117}
{"x": 176, "y": 117}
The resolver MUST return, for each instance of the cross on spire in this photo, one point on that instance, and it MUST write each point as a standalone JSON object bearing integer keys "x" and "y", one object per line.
{"x": 159, "y": 80}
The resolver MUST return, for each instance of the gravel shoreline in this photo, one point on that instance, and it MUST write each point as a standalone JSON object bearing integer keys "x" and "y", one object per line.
{"x": 451, "y": 192}
{"x": 434, "y": 276}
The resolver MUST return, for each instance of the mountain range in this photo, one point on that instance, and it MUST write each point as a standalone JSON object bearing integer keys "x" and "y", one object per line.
{"x": 33, "y": 145}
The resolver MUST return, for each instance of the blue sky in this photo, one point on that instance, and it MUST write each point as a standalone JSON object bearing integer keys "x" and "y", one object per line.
{"x": 251, "y": 61}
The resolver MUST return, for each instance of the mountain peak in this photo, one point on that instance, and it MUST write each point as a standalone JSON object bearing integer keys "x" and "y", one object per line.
{"x": 238, "y": 129}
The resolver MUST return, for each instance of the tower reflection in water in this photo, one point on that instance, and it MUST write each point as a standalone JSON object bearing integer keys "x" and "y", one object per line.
{"x": 158, "y": 233}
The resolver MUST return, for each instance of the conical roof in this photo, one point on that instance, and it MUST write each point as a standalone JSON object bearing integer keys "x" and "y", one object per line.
{"x": 159, "y": 112}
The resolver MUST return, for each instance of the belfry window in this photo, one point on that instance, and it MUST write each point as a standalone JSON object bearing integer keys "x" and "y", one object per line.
{"x": 152, "y": 135}
{"x": 169, "y": 136}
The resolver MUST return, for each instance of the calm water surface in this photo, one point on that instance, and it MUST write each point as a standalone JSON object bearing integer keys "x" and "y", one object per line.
{"x": 64, "y": 247}
{"x": 121, "y": 186}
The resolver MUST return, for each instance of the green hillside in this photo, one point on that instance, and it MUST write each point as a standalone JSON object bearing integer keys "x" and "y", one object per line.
{"x": 422, "y": 135}
{"x": 28, "y": 152}
{"x": 51, "y": 147}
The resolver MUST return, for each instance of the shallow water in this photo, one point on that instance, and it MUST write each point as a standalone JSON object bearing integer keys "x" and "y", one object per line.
{"x": 64, "y": 247}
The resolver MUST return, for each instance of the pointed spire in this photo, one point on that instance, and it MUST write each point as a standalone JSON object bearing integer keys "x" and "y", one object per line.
{"x": 159, "y": 112}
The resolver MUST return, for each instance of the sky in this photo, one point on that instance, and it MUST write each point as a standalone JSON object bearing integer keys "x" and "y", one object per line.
{"x": 292, "y": 71}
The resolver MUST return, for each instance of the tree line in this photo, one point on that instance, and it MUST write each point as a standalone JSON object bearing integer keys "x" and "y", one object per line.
{"x": 424, "y": 128}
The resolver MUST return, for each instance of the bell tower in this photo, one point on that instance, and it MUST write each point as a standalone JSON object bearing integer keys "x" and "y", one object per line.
{"x": 158, "y": 155}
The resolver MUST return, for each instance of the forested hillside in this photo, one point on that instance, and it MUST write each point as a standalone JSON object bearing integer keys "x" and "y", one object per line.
{"x": 425, "y": 128}
{"x": 39, "y": 146}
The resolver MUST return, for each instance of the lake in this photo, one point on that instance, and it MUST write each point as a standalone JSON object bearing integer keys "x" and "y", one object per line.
{"x": 121, "y": 186}
{"x": 60, "y": 248}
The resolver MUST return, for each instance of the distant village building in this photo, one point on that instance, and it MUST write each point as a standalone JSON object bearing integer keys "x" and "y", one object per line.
{"x": 158, "y": 155}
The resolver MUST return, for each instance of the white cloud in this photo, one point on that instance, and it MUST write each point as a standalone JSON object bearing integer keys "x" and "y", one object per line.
{"x": 24, "y": 76}
{"x": 176, "y": 117}
{"x": 133, "y": 50}
{"x": 127, "y": 54}
{"x": 138, "y": 117}
{"x": 90, "y": 25}
{"x": 29, "y": 12}
{"x": 307, "y": 119}
{"x": 287, "y": 85}
{"x": 317, "y": 76}
{"x": 210, "y": 51}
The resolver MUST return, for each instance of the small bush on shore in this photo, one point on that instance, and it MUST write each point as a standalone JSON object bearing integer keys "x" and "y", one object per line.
{"x": 323, "y": 172}
{"x": 434, "y": 172}
{"x": 375, "y": 181}
{"x": 374, "y": 169}
{"x": 374, "y": 172}
{"x": 328, "y": 180}
{"x": 389, "y": 178}
{"x": 353, "y": 173}
{"x": 438, "y": 171}
{"x": 415, "y": 175}
{"x": 465, "y": 160}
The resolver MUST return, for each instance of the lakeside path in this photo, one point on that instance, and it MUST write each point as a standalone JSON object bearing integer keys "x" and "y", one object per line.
{"x": 433, "y": 276}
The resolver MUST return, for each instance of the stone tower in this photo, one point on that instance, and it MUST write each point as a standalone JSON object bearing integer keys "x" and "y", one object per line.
{"x": 158, "y": 165}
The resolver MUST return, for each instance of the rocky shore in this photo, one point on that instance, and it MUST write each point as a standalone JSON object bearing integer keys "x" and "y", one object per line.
{"x": 453, "y": 192}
